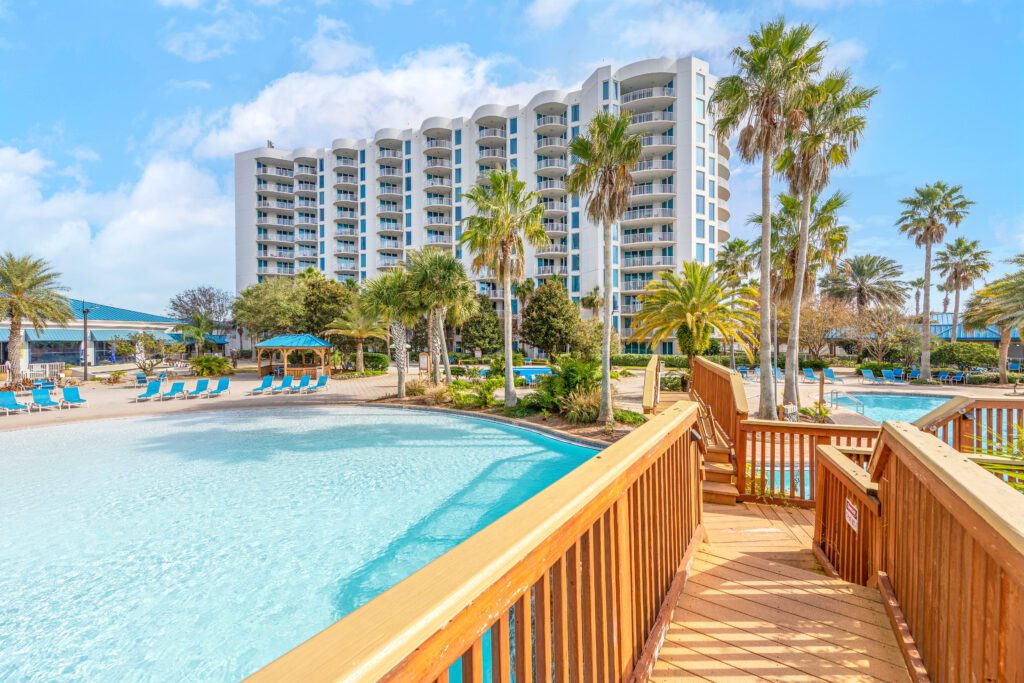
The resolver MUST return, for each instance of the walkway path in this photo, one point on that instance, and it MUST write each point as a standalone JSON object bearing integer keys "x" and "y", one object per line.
{"x": 757, "y": 608}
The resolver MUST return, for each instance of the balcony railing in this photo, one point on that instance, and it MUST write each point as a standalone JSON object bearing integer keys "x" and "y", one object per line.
{"x": 345, "y": 161}
{"x": 551, "y": 185}
{"x": 648, "y": 212}
{"x": 654, "y": 165}
{"x": 306, "y": 170}
{"x": 552, "y": 270}
{"x": 491, "y": 133}
{"x": 553, "y": 249}
{"x": 438, "y": 182}
{"x": 305, "y": 219}
{"x": 657, "y": 140}
{"x": 643, "y": 261}
{"x": 347, "y": 197}
{"x": 438, "y": 239}
{"x": 438, "y": 162}
{"x": 551, "y": 120}
{"x": 437, "y": 220}
{"x": 437, "y": 144}
{"x": 555, "y": 226}
{"x": 443, "y": 201}
{"x": 552, "y": 142}
{"x": 389, "y": 208}
{"x": 652, "y": 188}
{"x": 642, "y": 238}
{"x": 276, "y": 237}
{"x": 389, "y": 154}
{"x": 554, "y": 206}
{"x": 388, "y": 172}
{"x": 346, "y": 179}
{"x": 633, "y": 285}
{"x": 264, "y": 270}
{"x": 342, "y": 249}
{"x": 492, "y": 153}
{"x": 551, "y": 163}
{"x": 652, "y": 116}
{"x": 646, "y": 93}
{"x": 346, "y": 232}
{"x": 389, "y": 245}
{"x": 306, "y": 203}
{"x": 346, "y": 214}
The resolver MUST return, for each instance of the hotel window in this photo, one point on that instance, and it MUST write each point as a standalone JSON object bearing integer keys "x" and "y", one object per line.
{"x": 701, "y": 157}
{"x": 408, "y": 147}
{"x": 711, "y": 234}
{"x": 575, "y": 283}
{"x": 700, "y": 84}
{"x": 700, "y": 132}
{"x": 700, "y": 180}
{"x": 604, "y": 90}
{"x": 700, "y": 204}
{"x": 700, "y": 227}
{"x": 362, "y": 156}
{"x": 616, "y": 90}
{"x": 458, "y": 137}
{"x": 575, "y": 112}
{"x": 711, "y": 211}
{"x": 513, "y": 147}
{"x": 711, "y": 145}
{"x": 513, "y": 124}
{"x": 711, "y": 189}
{"x": 700, "y": 253}
{"x": 700, "y": 109}
{"x": 575, "y": 132}
{"x": 458, "y": 156}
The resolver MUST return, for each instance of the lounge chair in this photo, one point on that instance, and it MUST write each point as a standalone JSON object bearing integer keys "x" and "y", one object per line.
{"x": 177, "y": 390}
{"x": 71, "y": 397}
{"x": 43, "y": 384}
{"x": 152, "y": 391}
{"x": 41, "y": 399}
{"x": 223, "y": 384}
{"x": 285, "y": 385}
{"x": 870, "y": 377}
{"x": 890, "y": 377}
{"x": 915, "y": 374}
{"x": 898, "y": 374}
{"x": 957, "y": 378}
{"x": 9, "y": 404}
{"x": 810, "y": 376}
{"x": 267, "y": 381}
{"x": 943, "y": 376}
{"x": 830, "y": 376}
{"x": 202, "y": 388}
{"x": 778, "y": 374}
{"x": 1014, "y": 367}
{"x": 321, "y": 383}
{"x": 301, "y": 386}
{"x": 140, "y": 379}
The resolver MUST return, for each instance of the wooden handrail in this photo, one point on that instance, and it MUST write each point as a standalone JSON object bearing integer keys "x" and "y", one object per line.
{"x": 652, "y": 384}
{"x": 846, "y": 534}
{"x": 722, "y": 390}
{"x": 601, "y": 552}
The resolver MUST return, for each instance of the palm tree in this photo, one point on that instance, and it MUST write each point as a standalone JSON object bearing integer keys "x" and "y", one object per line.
{"x": 867, "y": 280}
{"x": 917, "y": 284}
{"x": 506, "y": 216}
{"x": 1001, "y": 304}
{"x": 961, "y": 264}
{"x": 439, "y": 281}
{"x": 832, "y": 122}
{"x": 604, "y": 157}
{"x": 773, "y": 69}
{"x": 735, "y": 260}
{"x": 927, "y": 216}
{"x": 196, "y": 329}
{"x": 593, "y": 301}
{"x": 358, "y": 323}
{"x": 29, "y": 289}
{"x": 944, "y": 291}
{"x": 390, "y": 296}
{"x": 693, "y": 303}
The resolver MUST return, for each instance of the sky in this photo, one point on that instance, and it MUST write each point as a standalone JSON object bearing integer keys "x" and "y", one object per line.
{"x": 119, "y": 120}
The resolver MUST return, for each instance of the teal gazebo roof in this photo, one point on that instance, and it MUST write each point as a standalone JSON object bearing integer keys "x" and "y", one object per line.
{"x": 294, "y": 341}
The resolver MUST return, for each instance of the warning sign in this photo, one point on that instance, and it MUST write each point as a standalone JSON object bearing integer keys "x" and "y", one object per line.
{"x": 852, "y": 515}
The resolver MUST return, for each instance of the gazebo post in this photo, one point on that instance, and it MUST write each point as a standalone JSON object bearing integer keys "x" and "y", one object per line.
{"x": 284, "y": 357}
{"x": 259, "y": 367}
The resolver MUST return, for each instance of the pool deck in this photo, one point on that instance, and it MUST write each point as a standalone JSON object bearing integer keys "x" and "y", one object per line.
{"x": 756, "y": 607}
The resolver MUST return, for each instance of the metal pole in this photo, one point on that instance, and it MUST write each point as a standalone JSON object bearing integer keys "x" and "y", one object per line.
{"x": 85, "y": 343}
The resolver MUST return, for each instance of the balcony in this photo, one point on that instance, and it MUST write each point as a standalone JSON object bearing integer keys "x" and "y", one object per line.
{"x": 390, "y": 245}
{"x": 347, "y": 214}
{"x": 389, "y": 155}
{"x": 494, "y": 293}
{"x": 547, "y": 125}
{"x": 390, "y": 228}
{"x": 440, "y": 145}
{"x": 274, "y": 172}
{"x": 492, "y": 156}
{"x": 552, "y": 167}
{"x": 437, "y": 164}
{"x": 345, "y": 249}
{"x": 549, "y": 188}
{"x": 723, "y": 172}
{"x": 343, "y": 164}
{"x": 491, "y": 135}
{"x": 346, "y": 267}
{"x": 648, "y": 99}
{"x": 658, "y": 144}
{"x": 305, "y": 219}
{"x": 346, "y": 231}
{"x": 304, "y": 203}
{"x": 276, "y": 254}
{"x": 630, "y": 309}
{"x": 306, "y": 237}
{"x": 544, "y": 271}
{"x": 389, "y": 209}
{"x": 647, "y": 262}
{"x": 551, "y": 145}
{"x": 634, "y": 286}
{"x": 389, "y": 172}
{"x": 723, "y": 192}
{"x": 444, "y": 221}
{"x": 652, "y": 121}
{"x": 442, "y": 202}
{"x": 652, "y": 191}
{"x": 558, "y": 227}
{"x": 554, "y": 207}
{"x": 342, "y": 181}
{"x": 553, "y": 249}
{"x": 723, "y": 213}
{"x": 438, "y": 182}
{"x": 346, "y": 198}
{"x": 647, "y": 215}
{"x": 389, "y": 190}
{"x": 274, "y": 220}
{"x": 723, "y": 150}
{"x": 654, "y": 237}
{"x": 281, "y": 237}
{"x": 438, "y": 240}
{"x": 276, "y": 204}
{"x": 268, "y": 271}
{"x": 277, "y": 189}
{"x": 305, "y": 171}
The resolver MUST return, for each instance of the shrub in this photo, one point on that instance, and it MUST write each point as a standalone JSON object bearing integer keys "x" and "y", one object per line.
{"x": 519, "y": 411}
{"x": 993, "y": 378}
{"x": 115, "y": 377}
{"x": 438, "y": 395}
{"x": 519, "y": 381}
{"x": 629, "y": 417}
{"x": 458, "y": 371}
{"x": 375, "y": 361}
{"x": 877, "y": 367}
{"x": 540, "y": 400}
{"x": 571, "y": 376}
{"x": 818, "y": 413}
{"x": 539, "y": 361}
{"x": 415, "y": 387}
{"x": 245, "y": 353}
{"x": 678, "y": 380}
{"x": 582, "y": 406}
{"x": 640, "y": 360}
{"x": 210, "y": 366}
{"x": 966, "y": 354}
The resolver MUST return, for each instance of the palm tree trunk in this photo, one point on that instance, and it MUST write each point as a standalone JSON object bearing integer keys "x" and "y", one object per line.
{"x": 926, "y": 315}
{"x": 14, "y": 342}
{"x": 917, "y": 303}
{"x": 401, "y": 355}
{"x": 956, "y": 314}
{"x": 792, "y": 390}
{"x": 1004, "y": 352}
{"x": 766, "y": 408}
{"x": 435, "y": 369}
{"x": 443, "y": 343}
{"x": 506, "y": 299}
{"x": 359, "y": 355}
{"x": 607, "y": 413}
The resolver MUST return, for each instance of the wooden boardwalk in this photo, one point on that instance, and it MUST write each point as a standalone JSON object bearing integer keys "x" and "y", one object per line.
{"x": 756, "y": 607}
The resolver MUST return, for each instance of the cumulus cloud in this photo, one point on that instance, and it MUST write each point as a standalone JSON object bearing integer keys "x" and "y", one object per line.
{"x": 214, "y": 39}
{"x": 332, "y": 48}
{"x": 175, "y": 219}
{"x": 307, "y": 108}
{"x": 843, "y": 54}
{"x": 549, "y": 14}
{"x": 190, "y": 84}
{"x": 681, "y": 29}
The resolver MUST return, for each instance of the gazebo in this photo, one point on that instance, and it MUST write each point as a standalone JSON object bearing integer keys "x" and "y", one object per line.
{"x": 287, "y": 343}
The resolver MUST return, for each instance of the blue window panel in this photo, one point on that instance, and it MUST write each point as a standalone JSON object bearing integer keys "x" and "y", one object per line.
{"x": 408, "y": 184}
{"x": 700, "y": 108}
{"x": 711, "y": 234}
{"x": 321, "y": 232}
{"x": 362, "y": 275}
{"x": 513, "y": 146}
{"x": 458, "y": 137}
{"x": 700, "y": 253}
{"x": 458, "y": 156}
{"x": 515, "y": 305}
{"x": 458, "y": 252}
{"x": 458, "y": 232}
{"x": 700, "y": 204}
{"x": 575, "y": 219}
{"x": 616, "y": 90}
{"x": 362, "y": 260}
{"x": 575, "y": 283}
{"x": 458, "y": 213}
{"x": 575, "y": 201}
{"x": 668, "y": 251}
{"x": 575, "y": 240}
{"x": 575, "y": 112}
{"x": 458, "y": 194}
{"x": 362, "y": 208}
{"x": 408, "y": 165}
{"x": 362, "y": 191}
{"x": 321, "y": 182}
{"x": 666, "y": 348}
{"x": 408, "y": 238}
{"x": 701, "y": 157}
{"x": 575, "y": 261}
{"x": 700, "y": 84}
{"x": 362, "y": 174}
{"x": 321, "y": 197}
{"x": 700, "y": 227}
{"x": 604, "y": 90}
{"x": 711, "y": 189}
{"x": 321, "y": 170}
{"x": 408, "y": 147}
{"x": 321, "y": 250}
{"x": 575, "y": 132}
{"x": 458, "y": 175}
{"x": 362, "y": 243}
{"x": 408, "y": 220}
{"x": 408, "y": 201}
{"x": 362, "y": 225}
{"x": 711, "y": 211}
{"x": 615, "y": 257}
{"x": 362, "y": 156}
{"x": 700, "y": 180}
{"x": 615, "y": 278}
{"x": 701, "y": 133}
{"x": 513, "y": 124}
{"x": 321, "y": 247}
{"x": 711, "y": 254}
{"x": 321, "y": 214}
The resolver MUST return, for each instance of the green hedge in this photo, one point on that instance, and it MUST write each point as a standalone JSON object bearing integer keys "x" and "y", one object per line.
{"x": 966, "y": 354}
{"x": 993, "y": 378}
{"x": 375, "y": 361}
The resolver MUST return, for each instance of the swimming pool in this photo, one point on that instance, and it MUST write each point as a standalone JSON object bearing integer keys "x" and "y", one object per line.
{"x": 200, "y": 547}
{"x": 899, "y": 407}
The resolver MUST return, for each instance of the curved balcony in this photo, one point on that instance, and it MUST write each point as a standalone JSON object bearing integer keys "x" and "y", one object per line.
{"x": 658, "y": 192}
{"x": 552, "y": 167}
{"x": 552, "y": 145}
{"x": 276, "y": 254}
{"x": 492, "y": 156}
{"x": 652, "y": 169}
{"x": 277, "y": 205}
{"x": 306, "y": 189}
{"x": 346, "y": 199}
{"x": 346, "y": 215}
{"x": 305, "y": 172}
{"x": 345, "y": 249}
{"x": 555, "y": 227}
{"x": 723, "y": 172}
{"x": 346, "y": 231}
{"x": 346, "y": 267}
{"x": 553, "y": 249}
{"x": 390, "y": 210}
{"x": 442, "y": 221}
{"x": 654, "y": 237}
{"x": 438, "y": 241}
{"x": 723, "y": 192}
{"x": 277, "y": 190}
{"x": 307, "y": 238}
{"x": 495, "y": 293}
{"x": 439, "y": 184}
{"x": 391, "y": 157}
{"x": 345, "y": 164}
{"x": 389, "y": 264}
{"x": 306, "y": 219}
{"x": 723, "y": 213}
{"x": 389, "y": 245}
{"x": 491, "y": 135}
{"x": 389, "y": 191}
{"x": 389, "y": 172}
{"x": 282, "y": 221}
{"x": 277, "y": 238}
{"x": 346, "y": 182}
{"x": 274, "y": 172}
{"x": 648, "y": 262}
{"x": 652, "y": 122}
{"x": 438, "y": 203}
{"x": 551, "y": 188}
{"x": 647, "y": 215}
{"x": 390, "y": 228}
{"x": 648, "y": 99}
{"x": 633, "y": 286}
{"x": 724, "y": 150}
{"x": 554, "y": 208}
{"x": 658, "y": 144}
{"x": 437, "y": 147}
{"x": 544, "y": 271}
{"x": 437, "y": 164}
{"x": 551, "y": 125}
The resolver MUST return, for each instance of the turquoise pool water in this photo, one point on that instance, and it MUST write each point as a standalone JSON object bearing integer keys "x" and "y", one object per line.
{"x": 899, "y": 407}
{"x": 200, "y": 547}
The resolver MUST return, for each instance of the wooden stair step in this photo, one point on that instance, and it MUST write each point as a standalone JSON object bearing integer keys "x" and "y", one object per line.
{"x": 717, "y": 492}
{"x": 720, "y": 472}
{"x": 717, "y": 453}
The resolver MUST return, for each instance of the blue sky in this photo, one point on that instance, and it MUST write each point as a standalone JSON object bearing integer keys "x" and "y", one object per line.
{"x": 119, "y": 119}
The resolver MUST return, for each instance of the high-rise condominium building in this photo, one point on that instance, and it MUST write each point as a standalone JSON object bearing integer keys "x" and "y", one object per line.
{"x": 353, "y": 209}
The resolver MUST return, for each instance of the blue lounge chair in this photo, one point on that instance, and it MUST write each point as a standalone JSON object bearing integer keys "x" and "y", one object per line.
{"x": 152, "y": 391}
{"x": 177, "y": 390}
{"x": 830, "y": 375}
{"x": 71, "y": 397}
{"x": 778, "y": 374}
{"x": 285, "y": 385}
{"x": 898, "y": 374}
{"x": 870, "y": 376}
{"x": 301, "y": 386}
{"x": 202, "y": 388}
{"x": 321, "y": 383}
{"x": 267, "y": 381}
{"x": 43, "y": 384}
{"x": 140, "y": 379}
{"x": 914, "y": 374}
{"x": 9, "y": 405}
{"x": 810, "y": 376}
{"x": 957, "y": 378}
{"x": 41, "y": 399}
{"x": 890, "y": 377}
{"x": 223, "y": 384}
{"x": 1014, "y": 367}
{"x": 943, "y": 376}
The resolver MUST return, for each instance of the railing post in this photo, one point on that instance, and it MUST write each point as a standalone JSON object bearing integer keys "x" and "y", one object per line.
{"x": 624, "y": 589}
{"x": 740, "y": 446}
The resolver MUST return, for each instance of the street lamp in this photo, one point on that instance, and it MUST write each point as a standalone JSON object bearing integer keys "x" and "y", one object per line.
{"x": 85, "y": 340}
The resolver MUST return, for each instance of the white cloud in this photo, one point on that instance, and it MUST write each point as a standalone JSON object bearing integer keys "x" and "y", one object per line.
{"x": 190, "y": 84}
{"x": 187, "y": 4}
{"x": 332, "y": 48}
{"x": 308, "y": 108}
{"x": 386, "y": 4}
{"x": 83, "y": 153}
{"x": 680, "y": 29}
{"x": 215, "y": 39}
{"x": 843, "y": 54}
{"x": 549, "y": 14}
{"x": 132, "y": 247}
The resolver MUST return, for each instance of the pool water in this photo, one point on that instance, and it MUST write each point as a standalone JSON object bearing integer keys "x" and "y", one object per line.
{"x": 898, "y": 407}
{"x": 200, "y": 547}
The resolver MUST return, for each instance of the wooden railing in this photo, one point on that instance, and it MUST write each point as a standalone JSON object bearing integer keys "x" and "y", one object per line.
{"x": 652, "y": 385}
{"x": 946, "y": 550}
{"x": 578, "y": 583}
{"x": 722, "y": 390}
{"x": 776, "y": 462}
{"x": 977, "y": 425}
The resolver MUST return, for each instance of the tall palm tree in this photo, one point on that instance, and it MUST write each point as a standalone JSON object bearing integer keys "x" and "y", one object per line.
{"x": 524, "y": 289}
{"x": 196, "y": 329}
{"x": 29, "y": 290}
{"x": 693, "y": 303}
{"x": 1001, "y": 304}
{"x": 944, "y": 291}
{"x": 831, "y": 115}
{"x": 917, "y": 284}
{"x": 390, "y": 296}
{"x": 735, "y": 260}
{"x": 773, "y": 69}
{"x": 592, "y": 300}
{"x": 604, "y": 157}
{"x": 440, "y": 282}
{"x": 506, "y": 217}
{"x": 927, "y": 216}
{"x": 867, "y": 280}
{"x": 962, "y": 263}
{"x": 360, "y": 324}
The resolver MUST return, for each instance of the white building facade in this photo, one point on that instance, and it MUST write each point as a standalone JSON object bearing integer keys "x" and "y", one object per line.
{"x": 354, "y": 209}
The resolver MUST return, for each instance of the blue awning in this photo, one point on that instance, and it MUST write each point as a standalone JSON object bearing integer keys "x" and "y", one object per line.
{"x": 54, "y": 335}
{"x": 110, "y": 335}
{"x": 218, "y": 339}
